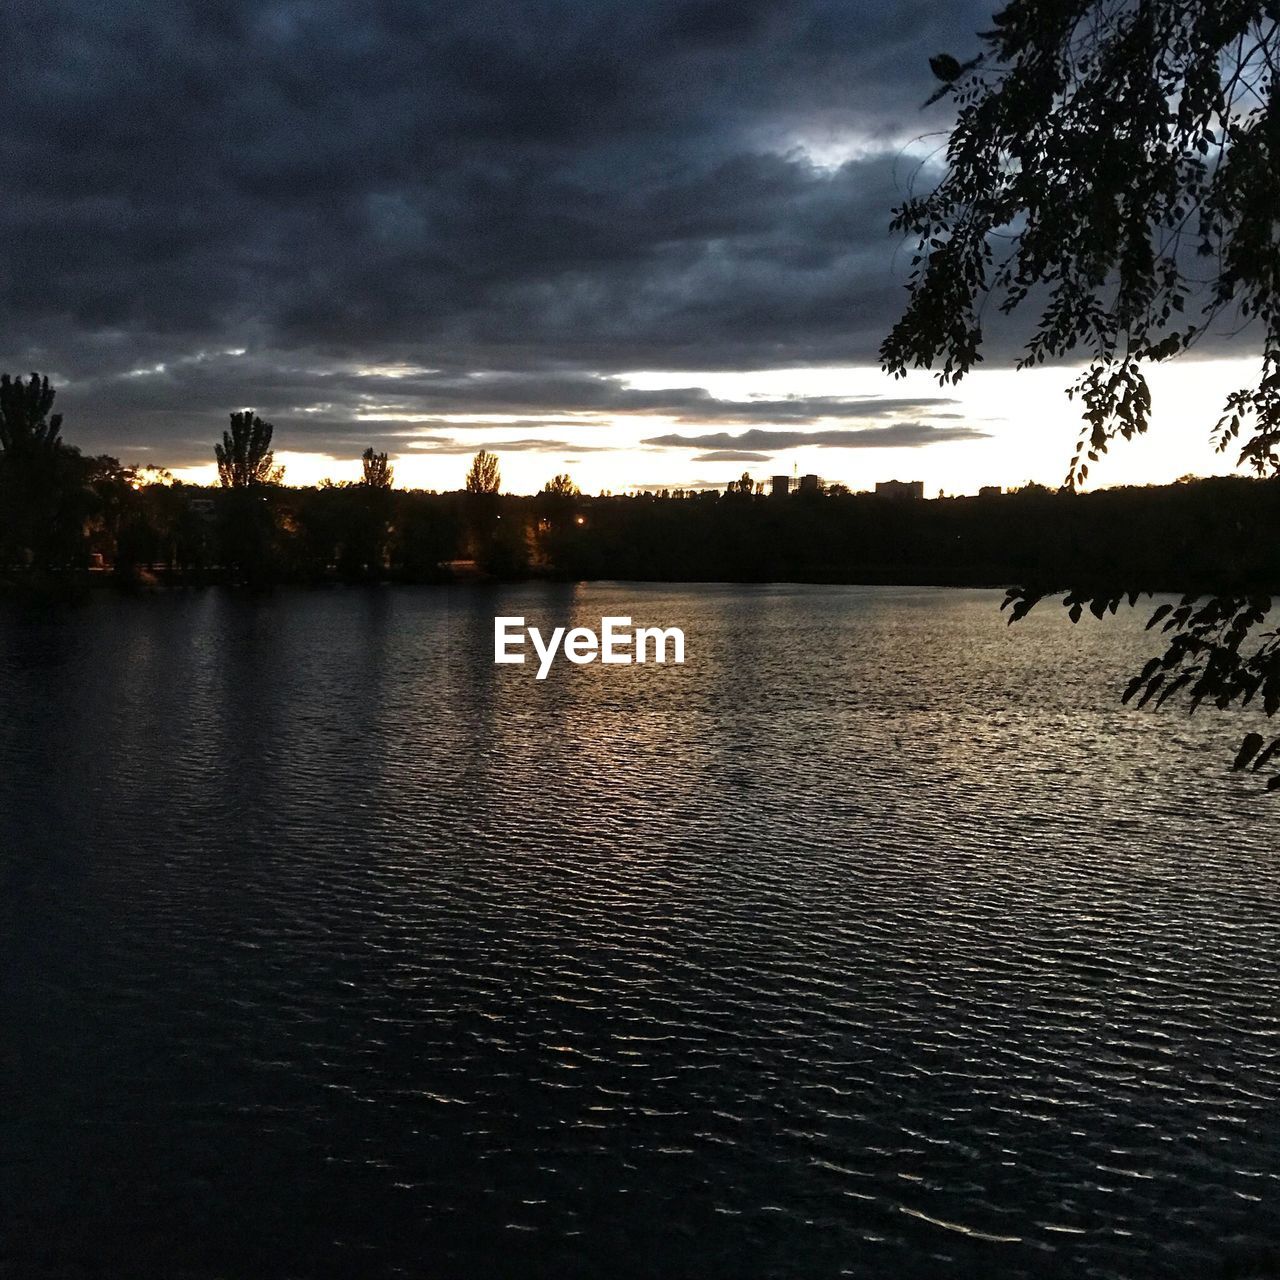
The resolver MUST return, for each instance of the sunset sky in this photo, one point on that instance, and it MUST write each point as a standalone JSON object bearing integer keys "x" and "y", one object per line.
{"x": 644, "y": 242}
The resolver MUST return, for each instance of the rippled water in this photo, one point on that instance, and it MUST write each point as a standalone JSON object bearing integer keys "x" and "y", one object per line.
{"x": 877, "y": 940}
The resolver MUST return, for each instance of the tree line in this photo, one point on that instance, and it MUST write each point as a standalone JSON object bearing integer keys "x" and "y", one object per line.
{"x": 66, "y": 519}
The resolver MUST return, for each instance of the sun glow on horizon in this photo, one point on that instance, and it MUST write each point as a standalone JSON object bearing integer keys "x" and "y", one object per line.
{"x": 1030, "y": 425}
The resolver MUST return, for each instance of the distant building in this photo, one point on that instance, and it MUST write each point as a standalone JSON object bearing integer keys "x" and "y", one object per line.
{"x": 810, "y": 484}
{"x": 900, "y": 489}
{"x": 989, "y": 491}
{"x": 780, "y": 486}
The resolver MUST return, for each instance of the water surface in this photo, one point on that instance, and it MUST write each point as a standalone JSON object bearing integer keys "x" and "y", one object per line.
{"x": 877, "y": 940}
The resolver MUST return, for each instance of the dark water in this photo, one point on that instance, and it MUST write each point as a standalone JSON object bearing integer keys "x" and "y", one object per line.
{"x": 878, "y": 940}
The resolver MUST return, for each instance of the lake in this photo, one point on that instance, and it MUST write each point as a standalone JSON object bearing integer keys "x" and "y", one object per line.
{"x": 877, "y": 940}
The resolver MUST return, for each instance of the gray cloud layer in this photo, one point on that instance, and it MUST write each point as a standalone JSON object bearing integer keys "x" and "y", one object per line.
{"x": 545, "y": 192}
{"x": 901, "y": 435}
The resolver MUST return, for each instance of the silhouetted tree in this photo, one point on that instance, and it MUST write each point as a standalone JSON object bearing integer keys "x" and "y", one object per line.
{"x": 49, "y": 494}
{"x": 376, "y": 473}
{"x": 1112, "y": 163}
{"x": 364, "y": 512}
{"x": 245, "y": 458}
{"x": 483, "y": 518}
{"x": 247, "y": 523}
{"x": 557, "y": 535}
{"x": 561, "y": 486}
{"x": 484, "y": 476}
{"x": 27, "y": 429}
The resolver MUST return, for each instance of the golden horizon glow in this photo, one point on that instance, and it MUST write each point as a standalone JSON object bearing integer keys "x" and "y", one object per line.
{"x": 1032, "y": 429}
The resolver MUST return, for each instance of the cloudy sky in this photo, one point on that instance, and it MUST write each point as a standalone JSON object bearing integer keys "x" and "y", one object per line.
{"x": 642, "y": 240}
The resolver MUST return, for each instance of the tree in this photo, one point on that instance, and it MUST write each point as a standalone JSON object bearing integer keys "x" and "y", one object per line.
{"x": 561, "y": 486}
{"x": 1115, "y": 166}
{"x": 245, "y": 458}
{"x": 484, "y": 476}
{"x": 376, "y": 473}
{"x": 556, "y": 533}
{"x": 247, "y": 526}
{"x": 27, "y": 429}
{"x": 364, "y": 511}
{"x": 48, "y": 492}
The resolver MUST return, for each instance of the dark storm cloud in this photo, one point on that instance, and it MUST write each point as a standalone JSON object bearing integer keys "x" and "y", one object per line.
{"x": 547, "y": 191}
{"x": 901, "y": 435}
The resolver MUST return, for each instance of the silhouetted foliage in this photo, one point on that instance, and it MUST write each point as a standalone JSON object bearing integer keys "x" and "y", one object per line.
{"x": 558, "y": 531}
{"x": 561, "y": 486}
{"x": 1111, "y": 161}
{"x": 159, "y": 531}
{"x": 245, "y": 458}
{"x": 495, "y": 548}
{"x": 1115, "y": 166}
{"x": 248, "y": 528}
{"x": 365, "y": 513}
{"x": 428, "y": 534}
{"x": 92, "y": 511}
{"x": 54, "y": 503}
{"x": 27, "y": 429}
{"x": 376, "y": 473}
{"x": 484, "y": 476}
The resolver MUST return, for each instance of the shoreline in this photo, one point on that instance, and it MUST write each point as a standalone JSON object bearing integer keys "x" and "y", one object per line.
{"x": 71, "y": 585}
